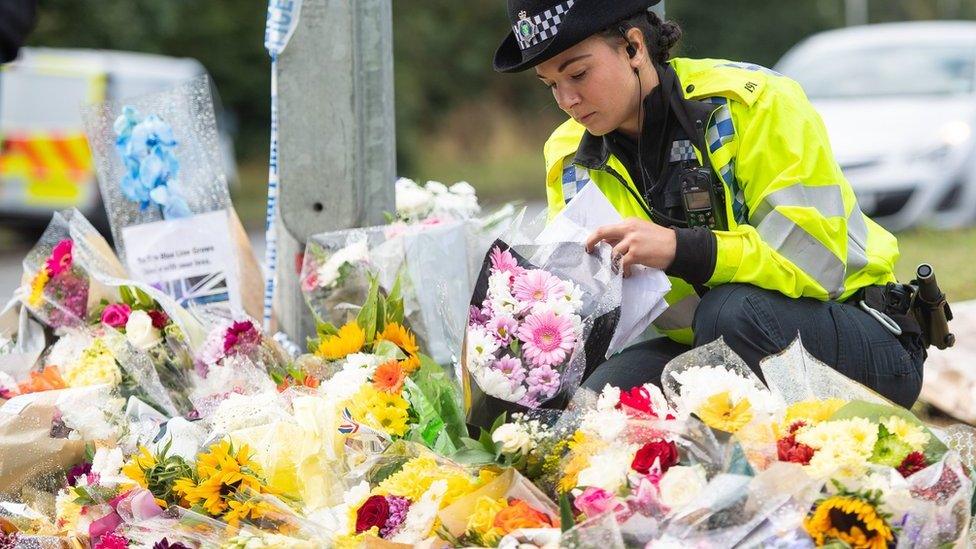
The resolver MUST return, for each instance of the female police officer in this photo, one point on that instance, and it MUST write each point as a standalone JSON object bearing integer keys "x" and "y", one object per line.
{"x": 726, "y": 179}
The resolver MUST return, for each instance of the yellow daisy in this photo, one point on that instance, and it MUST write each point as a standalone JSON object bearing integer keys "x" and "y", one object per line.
{"x": 910, "y": 433}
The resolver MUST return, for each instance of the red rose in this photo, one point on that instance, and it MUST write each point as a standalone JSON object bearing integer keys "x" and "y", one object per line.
{"x": 374, "y": 512}
{"x": 665, "y": 452}
{"x": 159, "y": 319}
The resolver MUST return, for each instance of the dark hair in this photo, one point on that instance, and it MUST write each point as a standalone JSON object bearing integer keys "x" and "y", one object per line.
{"x": 659, "y": 36}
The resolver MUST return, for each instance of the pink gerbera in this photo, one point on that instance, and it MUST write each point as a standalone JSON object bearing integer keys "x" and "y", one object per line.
{"x": 60, "y": 260}
{"x": 547, "y": 338}
{"x": 537, "y": 286}
{"x": 503, "y": 260}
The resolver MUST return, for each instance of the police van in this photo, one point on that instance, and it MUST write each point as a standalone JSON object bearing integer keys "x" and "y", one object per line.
{"x": 45, "y": 163}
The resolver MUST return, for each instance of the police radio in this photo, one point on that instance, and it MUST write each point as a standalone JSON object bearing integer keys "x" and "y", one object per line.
{"x": 703, "y": 201}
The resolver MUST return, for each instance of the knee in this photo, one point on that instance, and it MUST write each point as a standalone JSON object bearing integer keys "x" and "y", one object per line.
{"x": 724, "y": 312}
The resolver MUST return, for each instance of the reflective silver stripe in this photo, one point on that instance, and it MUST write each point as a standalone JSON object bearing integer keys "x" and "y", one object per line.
{"x": 827, "y": 199}
{"x": 805, "y": 251}
{"x": 857, "y": 241}
{"x": 678, "y": 316}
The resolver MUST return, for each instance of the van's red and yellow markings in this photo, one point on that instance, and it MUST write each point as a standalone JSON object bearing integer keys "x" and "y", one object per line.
{"x": 52, "y": 167}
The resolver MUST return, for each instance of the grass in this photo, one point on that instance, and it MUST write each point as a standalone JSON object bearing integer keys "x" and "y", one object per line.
{"x": 949, "y": 252}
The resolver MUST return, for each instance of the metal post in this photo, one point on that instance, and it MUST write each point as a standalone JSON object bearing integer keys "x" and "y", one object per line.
{"x": 856, "y": 12}
{"x": 337, "y": 150}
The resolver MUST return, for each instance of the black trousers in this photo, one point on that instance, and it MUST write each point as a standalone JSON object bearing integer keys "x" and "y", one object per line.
{"x": 757, "y": 323}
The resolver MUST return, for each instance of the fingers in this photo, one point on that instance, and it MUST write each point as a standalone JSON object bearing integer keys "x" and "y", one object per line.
{"x": 611, "y": 234}
{"x": 627, "y": 263}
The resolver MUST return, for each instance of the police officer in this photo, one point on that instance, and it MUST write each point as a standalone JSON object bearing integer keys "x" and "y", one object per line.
{"x": 724, "y": 175}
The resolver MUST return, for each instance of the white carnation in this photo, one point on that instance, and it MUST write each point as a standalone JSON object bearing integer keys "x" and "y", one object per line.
{"x": 605, "y": 424}
{"x": 609, "y": 398}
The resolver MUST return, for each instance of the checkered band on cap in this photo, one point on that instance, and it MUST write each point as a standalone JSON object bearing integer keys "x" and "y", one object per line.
{"x": 532, "y": 30}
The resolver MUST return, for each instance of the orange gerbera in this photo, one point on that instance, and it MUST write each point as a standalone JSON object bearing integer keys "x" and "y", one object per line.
{"x": 519, "y": 514}
{"x": 49, "y": 379}
{"x": 389, "y": 377}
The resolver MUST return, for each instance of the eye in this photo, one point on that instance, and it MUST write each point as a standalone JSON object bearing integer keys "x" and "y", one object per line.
{"x": 579, "y": 75}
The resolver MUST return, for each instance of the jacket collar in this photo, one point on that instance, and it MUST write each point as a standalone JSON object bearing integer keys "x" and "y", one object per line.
{"x": 594, "y": 152}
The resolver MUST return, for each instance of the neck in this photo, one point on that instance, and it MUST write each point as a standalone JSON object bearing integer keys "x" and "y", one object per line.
{"x": 648, "y": 82}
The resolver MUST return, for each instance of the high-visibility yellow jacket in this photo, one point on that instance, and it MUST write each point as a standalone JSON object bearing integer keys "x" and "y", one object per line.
{"x": 794, "y": 223}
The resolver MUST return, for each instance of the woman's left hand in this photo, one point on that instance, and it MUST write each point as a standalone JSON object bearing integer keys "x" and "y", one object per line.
{"x": 636, "y": 242}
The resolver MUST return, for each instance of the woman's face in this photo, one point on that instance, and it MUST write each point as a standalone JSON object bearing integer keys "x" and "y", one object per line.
{"x": 594, "y": 82}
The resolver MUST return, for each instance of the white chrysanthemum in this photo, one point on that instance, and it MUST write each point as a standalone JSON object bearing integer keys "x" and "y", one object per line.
{"x": 608, "y": 469}
{"x": 480, "y": 348}
{"x": 67, "y": 350}
{"x": 604, "y": 424}
{"x": 836, "y": 461}
{"x": 699, "y": 383}
{"x": 330, "y": 271}
{"x": 609, "y": 398}
{"x": 421, "y": 515}
{"x": 909, "y": 433}
{"x": 90, "y": 413}
{"x": 496, "y": 384}
{"x": 435, "y": 187}
{"x": 366, "y": 361}
{"x": 107, "y": 464}
{"x": 412, "y": 200}
{"x": 573, "y": 296}
{"x": 856, "y": 435}
{"x": 345, "y": 383}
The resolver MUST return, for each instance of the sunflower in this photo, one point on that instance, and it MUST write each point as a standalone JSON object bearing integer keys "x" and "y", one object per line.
{"x": 245, "y": 510}
{"x": 350, "y": 339}
{"x": 718, "y": 412}
{"x": 849, "y": 519}
{"x": 406, "y": 341}
{"x": 138, "y": 465}
{"x": 389, "y": 377}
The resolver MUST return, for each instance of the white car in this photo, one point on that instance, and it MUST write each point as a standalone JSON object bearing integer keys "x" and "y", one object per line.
{"x": 899, "y": 103}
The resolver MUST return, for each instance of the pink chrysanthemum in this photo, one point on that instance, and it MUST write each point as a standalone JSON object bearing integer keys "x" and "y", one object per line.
{"x": 477, "y": 317}
{"x": 112, "y": 541}
{"x": 537, "y": 286}
{"x": 398, "y": 509}
{"x": 503, "y": 327}
{"x": 547, "y": 338}
{"x": 543, "y": 383}
{"x": 512, "y": 368}
{"x": 503, "y": 260}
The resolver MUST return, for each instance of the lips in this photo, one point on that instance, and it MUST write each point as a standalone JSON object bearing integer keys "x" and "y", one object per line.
{"x": 584, "y": 119}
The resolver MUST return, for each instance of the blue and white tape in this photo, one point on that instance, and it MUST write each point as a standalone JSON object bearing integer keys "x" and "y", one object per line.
{"x": 281, "y": 24}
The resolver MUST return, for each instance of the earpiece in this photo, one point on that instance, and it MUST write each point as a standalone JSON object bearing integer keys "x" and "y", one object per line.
{"x": 631, "y": 50}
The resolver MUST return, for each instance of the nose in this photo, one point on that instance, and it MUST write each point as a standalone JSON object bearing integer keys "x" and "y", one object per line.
{"x": 566, "y": 98}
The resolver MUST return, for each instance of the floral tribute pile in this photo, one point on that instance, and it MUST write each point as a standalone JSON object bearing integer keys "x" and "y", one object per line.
{"x": 125, "y": 424}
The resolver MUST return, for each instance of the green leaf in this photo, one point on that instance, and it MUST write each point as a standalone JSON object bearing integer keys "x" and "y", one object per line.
{"x": 469, "y": 456}
{"x": 566, "y": 518}
{"x": 325, "y": 329}
{"x": 499, "y": 421}
{"x": 388, "y": 350}
{"x": 126, "y": 295}
{"x": 143, "y": 299}
{"x": 367, "y": 315}
{"x": 312, "y": 344}
{"x": 394, "y": 301}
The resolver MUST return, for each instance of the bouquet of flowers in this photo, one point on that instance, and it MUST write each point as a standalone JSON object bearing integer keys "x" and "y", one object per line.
{"x": 163, "y": 184}
{"x": 539, "y": 316}
{"x": 374, "y": 370}
{"x": 434, "y": 202}
{"x": 59, "y": 284}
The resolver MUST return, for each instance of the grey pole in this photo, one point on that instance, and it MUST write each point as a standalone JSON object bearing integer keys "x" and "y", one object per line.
{"x": 337, "y": 150}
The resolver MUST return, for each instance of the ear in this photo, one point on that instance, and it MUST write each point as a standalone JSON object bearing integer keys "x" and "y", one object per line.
{"x": 636, "y": 40}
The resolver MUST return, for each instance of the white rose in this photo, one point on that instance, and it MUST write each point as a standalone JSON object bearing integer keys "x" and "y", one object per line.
{"x": 513, "y": 438}
{"x": 139, "y": 331}
{"x": 681, "y": 485}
